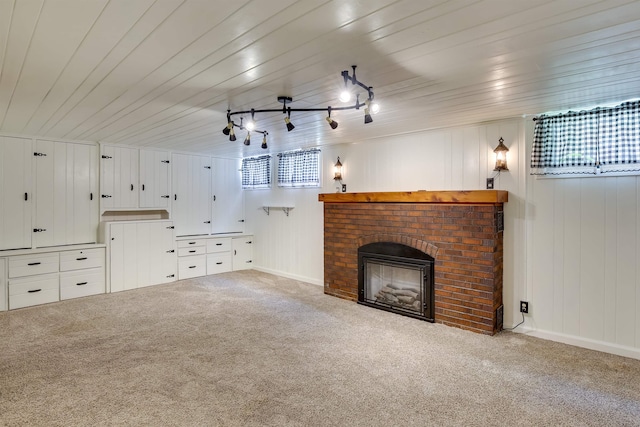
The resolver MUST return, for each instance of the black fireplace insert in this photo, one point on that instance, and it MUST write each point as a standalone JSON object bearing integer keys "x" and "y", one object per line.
{"x": 397, "y": 278}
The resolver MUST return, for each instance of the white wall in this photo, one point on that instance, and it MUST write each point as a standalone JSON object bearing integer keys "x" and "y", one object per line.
{"x": 450, "y": 159}
{"x": 584, "y": 244}
{"x": 571, "y": 245}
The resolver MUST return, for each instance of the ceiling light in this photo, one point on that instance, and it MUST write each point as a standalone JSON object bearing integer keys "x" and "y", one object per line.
{"x": 331, "y": 122}
{"x": 250, "y": 125}
{"x": 287, "y": 120}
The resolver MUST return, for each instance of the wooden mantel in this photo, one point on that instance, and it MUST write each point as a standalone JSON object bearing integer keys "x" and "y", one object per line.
{"x": 462, "y": 197}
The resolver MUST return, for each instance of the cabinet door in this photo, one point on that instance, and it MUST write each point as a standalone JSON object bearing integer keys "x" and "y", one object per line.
{"x": 15, "y": 193}
{"x": 228, "y": 198}
{"x": 83, "y": 203}
{"x": 242, "y": 249}
{"x": 123, "y": 254}
{"x": 66, "y": 206}
{"x": 119, "y": 177}
{"x": 4, "y": 305}
{"x": 180, "y": 197}
{"x": 154, "y": 179}
{"x": 190, "y": 208}
{"x": 169, "y": 267}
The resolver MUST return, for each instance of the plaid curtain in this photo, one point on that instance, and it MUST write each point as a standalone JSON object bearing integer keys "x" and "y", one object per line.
{"x": 256, "y": 172}
{"x": 299, "y": 168}
{"x": 603, "y": 140}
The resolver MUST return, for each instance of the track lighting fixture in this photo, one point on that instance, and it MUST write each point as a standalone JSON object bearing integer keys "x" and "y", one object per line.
{"x": 331, "y": 122}
{"x": 370, "y": 107}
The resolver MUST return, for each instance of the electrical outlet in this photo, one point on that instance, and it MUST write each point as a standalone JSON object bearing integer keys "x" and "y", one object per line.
{"x": 489, "y": 183}
{"x": 344, "y": 188}
{"x": 524, "y": 307}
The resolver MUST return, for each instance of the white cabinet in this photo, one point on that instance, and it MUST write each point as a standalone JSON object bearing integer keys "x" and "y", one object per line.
{"x": 191, "y": 185}
{"x": 118, "y": 177}
{"x": 219, "y": 259}
{"x": 66, "y": 193}
{"x": 242, "y": 248}
{"x": 15, "y": 193}
{"x": 154, "y": 179}
{"x": 192, "y": 259}
{"x": 228, "y": 197}
{"x": 140, "y": 253}
{"x": 37, "y": 277}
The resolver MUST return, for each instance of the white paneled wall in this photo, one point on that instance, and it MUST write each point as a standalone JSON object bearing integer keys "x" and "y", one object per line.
{"x": 571, "y": 245}
{"x": 451, "y": 159}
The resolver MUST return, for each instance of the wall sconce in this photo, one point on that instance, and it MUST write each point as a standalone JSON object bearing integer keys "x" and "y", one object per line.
{"x": 501, "y": 156}
{"x": 337, "y": 171}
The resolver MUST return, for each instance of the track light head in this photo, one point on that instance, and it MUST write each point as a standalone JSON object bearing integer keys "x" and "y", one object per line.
{"x": 287, "y": 120}
{"x": 264, "y": 142}
{"x": 232, "y": 134}
{"x": 331, "y": 122}
{"x": 247, "y": 140}
{"x": 367, "y": 116}
{"x": 227, "y": 128}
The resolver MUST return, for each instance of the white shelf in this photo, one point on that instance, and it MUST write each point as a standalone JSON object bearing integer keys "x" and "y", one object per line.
{"x": 285, "y": 209}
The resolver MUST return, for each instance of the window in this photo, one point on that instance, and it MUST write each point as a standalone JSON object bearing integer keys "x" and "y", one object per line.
{"x": 299, "y": 168}
{"x": 256, "y": 172}
{"x": 598, "y": 141}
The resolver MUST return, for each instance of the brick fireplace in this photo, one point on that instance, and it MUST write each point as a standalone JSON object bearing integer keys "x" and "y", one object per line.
{"x": 461, "y": 230}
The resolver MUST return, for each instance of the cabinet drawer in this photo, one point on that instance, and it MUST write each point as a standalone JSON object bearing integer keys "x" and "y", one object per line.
{"x": 29, "y": 265}
{"x": 218, "y": 263}
{"x": 218, "y": 245}
{"x": 194, "y": 250}
{"x": 81, "y": 259}
{"x": 192, "y": 266}
{"x": 30, "y": 291}
{"x": 74, "y": 284}
{"x": 191, "y": 243}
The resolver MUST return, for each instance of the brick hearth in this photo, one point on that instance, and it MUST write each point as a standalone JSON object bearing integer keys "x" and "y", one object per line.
{"x": 458, "y": 229}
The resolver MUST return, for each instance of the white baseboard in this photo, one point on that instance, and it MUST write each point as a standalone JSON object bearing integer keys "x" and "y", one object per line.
{"x": 290, "y": 276}
{"x": 603, "y": 346}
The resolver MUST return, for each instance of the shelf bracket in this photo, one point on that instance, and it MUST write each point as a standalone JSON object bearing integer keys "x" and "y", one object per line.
{"x": 286, "y": 210}
{"x": 266, "y": 209}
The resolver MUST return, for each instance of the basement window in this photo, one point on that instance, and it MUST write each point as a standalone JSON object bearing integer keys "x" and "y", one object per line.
{"x": 256, "y": 172}
{"x": 605, "y": 140}
{"x": 300, "y": 168}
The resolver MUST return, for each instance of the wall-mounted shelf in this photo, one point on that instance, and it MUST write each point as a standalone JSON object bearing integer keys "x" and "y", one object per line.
{"x": 285, "y": 209}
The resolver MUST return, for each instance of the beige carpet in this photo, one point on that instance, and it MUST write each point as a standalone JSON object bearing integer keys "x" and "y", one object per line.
{"x": 249, "y": 349}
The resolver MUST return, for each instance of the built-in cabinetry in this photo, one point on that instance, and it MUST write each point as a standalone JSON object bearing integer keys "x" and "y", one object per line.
{"x": 191, "y": 186}
{"x": 35, "y": 277}
{"x": 67, "y": 200}
{"x": 133, "y": 178}
{"x": 139, "y": 253}
{"x": 212, "y": 255}
{"x": 15, "y": 193}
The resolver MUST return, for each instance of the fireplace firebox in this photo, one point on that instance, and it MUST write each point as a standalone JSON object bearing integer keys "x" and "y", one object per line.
{"x": 396, "y": 278}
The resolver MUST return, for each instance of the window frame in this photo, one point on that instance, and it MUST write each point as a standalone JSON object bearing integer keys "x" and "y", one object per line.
{"x": 269, "y": 174}
{"x": 294, "y": 170}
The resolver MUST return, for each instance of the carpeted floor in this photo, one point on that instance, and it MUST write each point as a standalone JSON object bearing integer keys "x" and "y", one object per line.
{"x": 249, "y": 349}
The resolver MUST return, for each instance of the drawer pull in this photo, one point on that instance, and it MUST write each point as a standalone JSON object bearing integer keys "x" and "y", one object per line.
{"x": 33, "y": 291}
{"x": 171, "y": 251}
{"x": 218, "y": 244}
{"x": 249, "y": 262}
{"x": 249, "y": 242}
{"x": 192, "y": 266}
{"x": 34, "y": 263}
{"x": 192, "y": 252}
{"x": 81, "y": 258}
{"x": 81, "y": 283}
{"x": 218, "y": 263}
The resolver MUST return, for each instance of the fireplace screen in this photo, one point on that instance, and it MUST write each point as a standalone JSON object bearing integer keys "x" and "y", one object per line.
{"x": 396, "y": 278}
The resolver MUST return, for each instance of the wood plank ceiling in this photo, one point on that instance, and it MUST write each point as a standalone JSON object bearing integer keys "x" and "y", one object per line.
{"x": 163, "y": 73}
